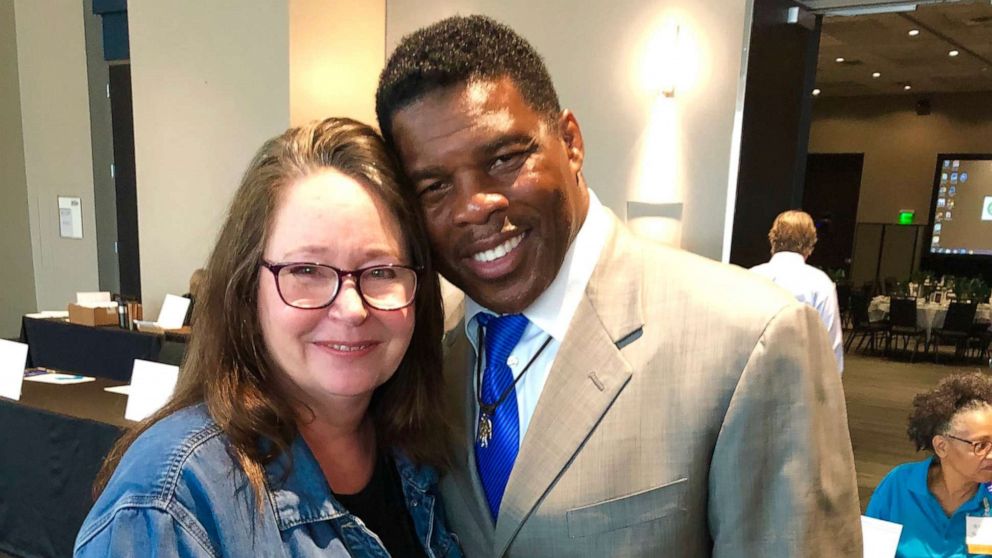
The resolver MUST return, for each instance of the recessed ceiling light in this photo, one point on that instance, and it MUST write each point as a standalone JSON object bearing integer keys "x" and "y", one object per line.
{"x": 914, "y": 32}
{"x": 953, "y": 53}
{"x": 876, "y": 75}
{"x": 907, "y": 87}
{"x": 840, "y": 59}
{"x": 816, "y": 92}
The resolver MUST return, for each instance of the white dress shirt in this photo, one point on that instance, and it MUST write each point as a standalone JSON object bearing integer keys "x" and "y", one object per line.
{"x": 810, "y": 286}
{"x": 550, "y": 314}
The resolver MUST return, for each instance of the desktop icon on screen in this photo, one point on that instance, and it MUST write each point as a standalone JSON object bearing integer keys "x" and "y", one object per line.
{"x": 963, "y": 178}
{"x": 954, "y": 178}
{"x": 987, "y": 209}
{"x": 937, "y": 227}
{"x": 947, "y": 215}
{"x": 955, "y": 164}
{"x": 941, "y": 202}
{"x": 943, "y": 190}
{"x": 947, "y": 163}
{"x": 943, "y": 176}
{"x": 952, "y": 190}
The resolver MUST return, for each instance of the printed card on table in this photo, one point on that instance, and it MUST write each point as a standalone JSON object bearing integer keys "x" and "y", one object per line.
{"x": 152, "y": 384}
{"x": 173, "y": 312}
{"x": 881, "y": 538}
{"x": 13, "y": 358}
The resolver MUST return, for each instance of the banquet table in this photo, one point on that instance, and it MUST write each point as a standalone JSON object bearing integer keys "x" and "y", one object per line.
{"x": 104, "y": 352}
{"x": 929, "y": 315}
{"x": 54, "y": 440}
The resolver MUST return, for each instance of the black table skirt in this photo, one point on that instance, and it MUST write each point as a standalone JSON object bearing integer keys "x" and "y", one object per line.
{"x": 52, "y": 443}
{"x": 104, "y": 352}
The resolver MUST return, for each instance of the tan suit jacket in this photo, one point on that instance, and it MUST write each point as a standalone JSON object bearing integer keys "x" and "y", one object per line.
{"x": 693, "y": 409}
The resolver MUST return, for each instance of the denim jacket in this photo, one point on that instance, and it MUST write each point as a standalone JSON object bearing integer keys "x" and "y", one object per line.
{"x": 178, "y": 492}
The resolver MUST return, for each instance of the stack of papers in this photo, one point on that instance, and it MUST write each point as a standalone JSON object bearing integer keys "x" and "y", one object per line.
{"x": 45, "y": 376}
{"x": 95, "y": 300}
{"x": 49, "y": 314}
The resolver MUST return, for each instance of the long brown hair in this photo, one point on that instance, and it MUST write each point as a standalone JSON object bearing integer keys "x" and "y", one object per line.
{"x": 227, "y": 365}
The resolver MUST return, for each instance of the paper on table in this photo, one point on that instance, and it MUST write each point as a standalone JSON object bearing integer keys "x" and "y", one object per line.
{"x": 173, "y": 312}
{"x": 881, "y": 538}
{"x": 123, "y": 390}
{"x": 147, "y": 327}
{"x": 49, "y": 314}
{"x": 92, "y": 297}
{"x": 59, "y": 378}
{"x": 152, "y": 384}
{"x": 13, "y": 358}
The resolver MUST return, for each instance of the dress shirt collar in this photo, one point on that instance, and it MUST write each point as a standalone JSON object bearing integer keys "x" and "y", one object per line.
{"x": 554, "y": 308}
{"x": 787, "y": 258}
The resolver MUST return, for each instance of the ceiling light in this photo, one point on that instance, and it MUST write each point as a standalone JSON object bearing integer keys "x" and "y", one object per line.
{"x": 816, "y": 92}
{"x": 840, "y": 59}
{"x": 953, "y": 53}
{"x": 914, "y": 32}
{"x": 869, "y": 9}
{"x": 876, "y": 75}
{"x": 907, "y": 87}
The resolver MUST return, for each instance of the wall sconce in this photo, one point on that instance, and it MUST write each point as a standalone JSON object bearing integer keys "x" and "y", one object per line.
{"x": 670, "y": 59}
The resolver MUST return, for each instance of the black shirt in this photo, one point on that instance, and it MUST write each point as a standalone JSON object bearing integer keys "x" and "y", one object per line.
{"x": 382, "y": 508}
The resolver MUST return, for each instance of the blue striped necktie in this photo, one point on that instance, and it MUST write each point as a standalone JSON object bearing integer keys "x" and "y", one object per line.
{"x": 495, "y": 459}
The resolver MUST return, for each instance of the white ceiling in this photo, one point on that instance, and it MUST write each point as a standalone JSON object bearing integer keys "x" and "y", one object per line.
{"x": 880, "y": 43}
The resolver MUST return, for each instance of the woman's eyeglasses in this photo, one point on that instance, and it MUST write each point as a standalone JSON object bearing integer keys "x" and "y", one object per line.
{"x": 312, "y": 285}
{"x": 980, "y": 448}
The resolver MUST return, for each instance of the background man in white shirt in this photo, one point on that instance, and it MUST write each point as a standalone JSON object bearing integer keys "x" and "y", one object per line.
{"x": 653, "y": 402}
{"x": 792, "y": 237}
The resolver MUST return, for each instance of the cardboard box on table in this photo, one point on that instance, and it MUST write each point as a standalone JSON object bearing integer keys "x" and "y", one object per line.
{"x": 92, "y": 315}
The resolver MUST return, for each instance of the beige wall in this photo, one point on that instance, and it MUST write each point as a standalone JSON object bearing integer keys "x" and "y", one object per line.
{"x": 51, "y": 58}
{"x": 900, "y": 147}
{"x": 17, "y": 294}
{"x": 603, "y": 58}
{"x": 336, "y": 52}
{"x": 210, "y": 84}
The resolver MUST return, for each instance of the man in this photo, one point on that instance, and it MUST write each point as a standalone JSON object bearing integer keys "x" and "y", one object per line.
{"x": 627, "y": 399}
{"x": 792, "y": 238}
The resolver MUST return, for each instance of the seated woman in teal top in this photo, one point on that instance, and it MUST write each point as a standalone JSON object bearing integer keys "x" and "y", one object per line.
{"x": 932, "y": 498}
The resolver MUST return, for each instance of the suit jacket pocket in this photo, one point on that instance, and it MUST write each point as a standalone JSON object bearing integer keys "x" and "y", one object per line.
{"x": 625, "y": 511}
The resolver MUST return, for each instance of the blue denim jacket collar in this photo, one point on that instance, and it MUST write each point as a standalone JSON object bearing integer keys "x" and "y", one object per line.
{"x": 305, "y": 497}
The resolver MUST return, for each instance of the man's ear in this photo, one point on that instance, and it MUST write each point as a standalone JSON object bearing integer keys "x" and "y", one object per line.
{"x": 571, "y": 134}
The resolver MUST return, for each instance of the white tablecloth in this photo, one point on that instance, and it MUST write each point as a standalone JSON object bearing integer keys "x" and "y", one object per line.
{"x": 929, "y": 315}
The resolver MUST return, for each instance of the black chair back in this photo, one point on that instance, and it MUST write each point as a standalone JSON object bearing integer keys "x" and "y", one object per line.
{"x": 902, "y": 312}
{"x": 859, "y": 308}
{"x": 960, "y": 317}
{"x": 844, "y": 297}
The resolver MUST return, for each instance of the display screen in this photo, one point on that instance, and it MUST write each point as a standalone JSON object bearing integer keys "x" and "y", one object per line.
{"x": 961, "y": 214}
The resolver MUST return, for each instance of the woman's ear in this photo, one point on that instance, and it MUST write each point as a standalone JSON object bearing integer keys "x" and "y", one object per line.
{"x": 939, "y": 446}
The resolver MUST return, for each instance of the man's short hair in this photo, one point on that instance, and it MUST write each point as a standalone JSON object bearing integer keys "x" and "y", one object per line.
{"x": 793, "y": 231}
{"x": 458, "y": 50}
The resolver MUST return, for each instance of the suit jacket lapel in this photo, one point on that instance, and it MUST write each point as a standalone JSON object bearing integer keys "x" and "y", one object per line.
{"x": 586, "y": 377}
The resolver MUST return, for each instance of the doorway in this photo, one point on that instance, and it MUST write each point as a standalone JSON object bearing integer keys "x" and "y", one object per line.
{"x": 830, "y": 196}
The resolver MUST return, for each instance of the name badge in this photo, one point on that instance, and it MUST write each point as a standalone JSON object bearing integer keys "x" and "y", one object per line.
{"x": 978, "y": 532}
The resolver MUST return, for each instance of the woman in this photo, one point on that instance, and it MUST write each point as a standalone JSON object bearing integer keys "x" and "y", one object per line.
{"x": 932, "y": 498}
{"x": 306, "y": 420}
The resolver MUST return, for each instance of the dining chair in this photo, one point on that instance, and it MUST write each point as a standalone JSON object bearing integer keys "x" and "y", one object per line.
{"x": 902, "y": 322}
{"x": 861, "y": 324}
{"x": 956, "y": 330}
